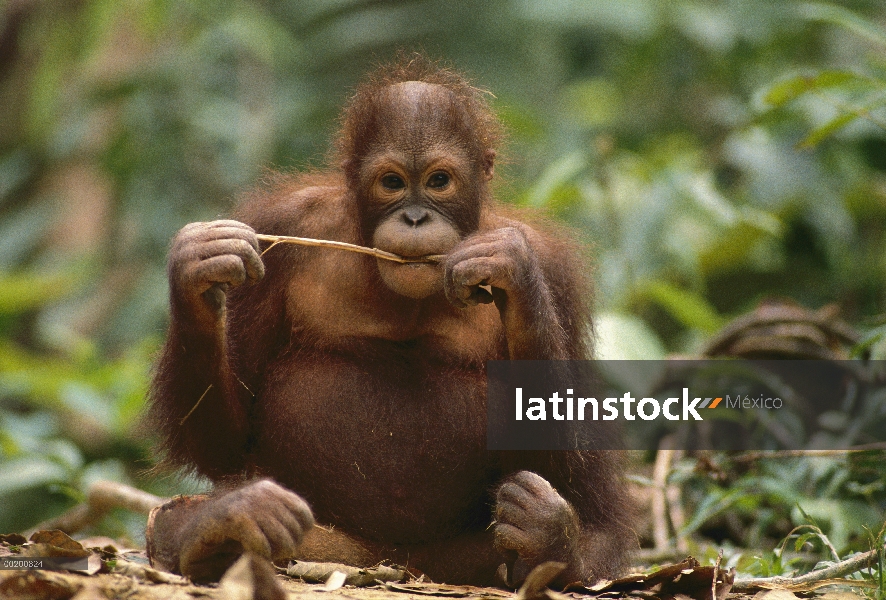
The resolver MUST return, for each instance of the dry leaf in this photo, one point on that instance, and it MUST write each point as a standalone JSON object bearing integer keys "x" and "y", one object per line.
{"x": 423, "y": 589}
{"x": 37, "y": 585}
{"x": 336, "y": 580}
{"x": 251, "y": 578}
{"x": 13, "y": 539}
{"x": 146, "y": 573}
{"x": 775, "y": 595}
{"x": 686, "y": 578}
{"x": 536, "y": 585}
{"x": 450, "y": 591}
{"x": 90, "y": 591}
{"x": 312, "y": 572}
{"x": 103, "y": 543}
{"x": 54, "y": 543}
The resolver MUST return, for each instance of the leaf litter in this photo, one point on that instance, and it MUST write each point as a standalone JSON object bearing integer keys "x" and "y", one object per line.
{"x": 113, "y": 572}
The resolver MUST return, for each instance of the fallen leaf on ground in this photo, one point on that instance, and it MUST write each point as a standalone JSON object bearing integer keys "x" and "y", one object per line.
{"x": 775, "y": 595}
{"x": 251, "y": 578}
{"x": 536, "y": 585}
{"x": 312, "y": 572}
{"x": 687, "y": 578}
{"x": 335, "y": 581}
{"x": 146, "y": 573}
{"x": 37, "y": 585}
{"x": 13, "y": 539}
{"x": 54, "y": 543}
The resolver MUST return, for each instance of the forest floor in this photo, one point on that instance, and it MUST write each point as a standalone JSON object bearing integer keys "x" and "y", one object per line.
{"x": 126, "y": 575}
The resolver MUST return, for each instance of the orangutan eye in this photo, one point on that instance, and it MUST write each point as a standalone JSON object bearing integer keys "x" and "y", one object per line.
{"x": 438, "y": 180}
{"x": 393, "y": 182}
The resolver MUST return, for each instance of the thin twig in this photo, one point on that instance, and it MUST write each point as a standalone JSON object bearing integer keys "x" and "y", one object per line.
{"x": 841, "y": 569}
{"x": 193, "y": 408}
{"x": 301, "y": 241}
{"x": 821, "y": 536}
{"x": 756, "y": 455}
{"x": 659, "y": 497}
{"x": 102, "y": 497}
{"x": 861, "y": 112}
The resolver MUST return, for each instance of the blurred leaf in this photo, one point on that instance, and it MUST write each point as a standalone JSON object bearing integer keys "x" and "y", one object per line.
{"x": 816, "y": 136}
{"x": 37, "y": 377}
{"x": 593, "y": 102}
{"x": 792, "y": 88}
{"x": 554, "y": 176}
{"x": 104, "y": 470}
{"x": 519, "y": 120}
{"x": 873, "y": 341}
{"x": 713, "y": 504}
{"x": 743, "y": 247}
{"x": 266, "y": 38}
{"x": 64, "y": 452}
{"x": 22, "y": 231}
{"x": 631, "y": 17}
{"x": 29, "y": 472}
{"x": 689, "y": 308}
{"x": 845, "y": 18}
{"x": 85, "y": 400}
{"x": 840, "y": 518}
{"x": 710, "y": 25}
{"x": 24, "y": 291}
{"x": 15, "y": 168}
{"x": 787, "y": 90}
{"x": 625, "y": 337}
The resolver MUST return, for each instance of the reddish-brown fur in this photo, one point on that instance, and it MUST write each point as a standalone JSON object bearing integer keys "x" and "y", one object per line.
{"x": 369, "y": 404}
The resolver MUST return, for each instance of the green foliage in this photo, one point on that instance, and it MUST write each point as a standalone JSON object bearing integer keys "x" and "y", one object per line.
{"x": 64, "y": 422}
{"x": 877, "y": 573}
{"x": 775, "y": 563}
{"x": 839, "y": 15}
{"x": 819, "y": 506}
{"x": 851, "y": 95}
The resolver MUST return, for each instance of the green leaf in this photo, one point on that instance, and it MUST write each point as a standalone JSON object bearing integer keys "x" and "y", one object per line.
{"x": 871, "y": 341}
{"x": 793, "y": 87}
{"x": 29, "y": 472}
{"x": 15, "y": 168}
{"x": 22, "y": 292}
{"x": 626, "y": 337}
{"x": 556, "y": 175}
{"x": 593, "y": 102}
{"x": 819, "y": 134}
{"x": 802, "y": 539}
{"x": 689, "y": 308}
{"x": 784, "y": 91}
{"x": 712, "y": 504}
{"x": 22, "y": 230}
{"x": 840, "y": 518}
{"x": 838, "y": 15}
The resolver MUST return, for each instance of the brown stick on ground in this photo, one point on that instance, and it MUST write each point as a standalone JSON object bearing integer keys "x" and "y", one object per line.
{"x": 102, "y": 497}
{"x": 840, "y": 569}
{"x": 285, "y": 239}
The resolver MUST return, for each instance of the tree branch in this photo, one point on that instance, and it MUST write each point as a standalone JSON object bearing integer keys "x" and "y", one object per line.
{"x": 841, "y": 569}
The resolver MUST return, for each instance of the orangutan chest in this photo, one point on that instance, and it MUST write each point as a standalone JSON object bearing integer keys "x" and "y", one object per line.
{"x": 400, "y": 437}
